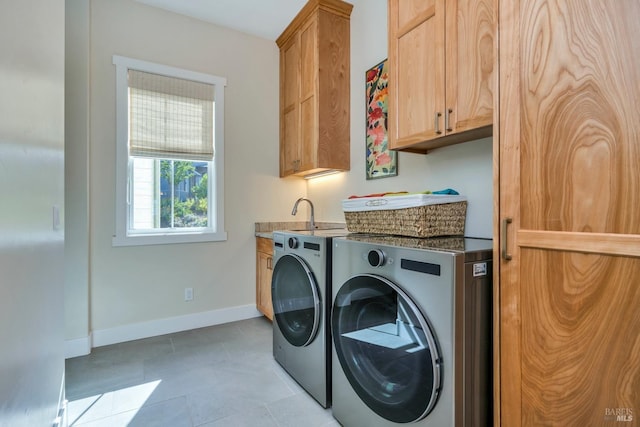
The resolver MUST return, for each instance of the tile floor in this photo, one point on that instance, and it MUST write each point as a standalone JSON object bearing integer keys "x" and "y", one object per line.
{"x": 222, "y": 375}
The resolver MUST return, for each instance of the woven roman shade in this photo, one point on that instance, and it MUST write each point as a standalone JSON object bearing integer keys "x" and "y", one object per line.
{"x": 170, "y": 118}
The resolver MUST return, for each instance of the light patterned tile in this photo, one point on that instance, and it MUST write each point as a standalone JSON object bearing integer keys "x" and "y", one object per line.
{"x": 259, "y": 416}
{"x": 223, "y": 375}
{"x": 298, "y": 410}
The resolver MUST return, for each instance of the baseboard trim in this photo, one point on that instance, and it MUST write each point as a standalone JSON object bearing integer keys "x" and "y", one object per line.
{"x": 102, "y": 337}
{"x": 77, "y": 347}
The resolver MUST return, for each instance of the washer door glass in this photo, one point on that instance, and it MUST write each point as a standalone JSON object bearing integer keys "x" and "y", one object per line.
{"x": 386, "y": 348}
{"x": 296, "y": 304}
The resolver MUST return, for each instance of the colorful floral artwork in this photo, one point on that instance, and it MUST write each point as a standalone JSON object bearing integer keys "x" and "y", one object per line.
{"x": 381, "y": 162}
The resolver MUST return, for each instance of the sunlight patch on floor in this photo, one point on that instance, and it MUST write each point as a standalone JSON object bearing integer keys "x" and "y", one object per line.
{"x": 126, "y": 401}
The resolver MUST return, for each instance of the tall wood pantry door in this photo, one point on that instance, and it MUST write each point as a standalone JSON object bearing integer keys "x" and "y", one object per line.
{"x": 567, "y": 164}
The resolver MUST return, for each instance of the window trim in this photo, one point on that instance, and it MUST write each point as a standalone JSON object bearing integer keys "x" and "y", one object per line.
{"x": 123, "y": 236}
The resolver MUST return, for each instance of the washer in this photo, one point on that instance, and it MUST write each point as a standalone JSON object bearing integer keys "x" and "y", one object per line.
{"x": 411, "y": 325}
{"x": 301, "y": 297}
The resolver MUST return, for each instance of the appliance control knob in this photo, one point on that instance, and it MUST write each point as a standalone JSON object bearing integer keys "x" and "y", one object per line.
{"x": 293, "y": 242}
{"x": 376, "y": 258}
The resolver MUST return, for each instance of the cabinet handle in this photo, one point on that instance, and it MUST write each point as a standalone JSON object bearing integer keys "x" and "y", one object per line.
{"x": 436, "y": 123}
{"x": 269, "y": 263}
{"x": 503, "y": 239}
{"x": 447, "y": 116}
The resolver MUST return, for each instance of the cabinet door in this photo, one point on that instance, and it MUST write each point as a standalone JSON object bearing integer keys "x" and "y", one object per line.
{"x": 308, "y": 95}
{"x": 568, "y": 318}
{"x": 416, "y": 67}
{"x": 264, "y": 269}
{"x": 265, "y": 266}
{"x": 469, "y": 65}
{"x": 289, "y": 107}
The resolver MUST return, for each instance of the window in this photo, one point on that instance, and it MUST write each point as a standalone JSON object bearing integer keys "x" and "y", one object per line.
{"x": 170, "y": 154}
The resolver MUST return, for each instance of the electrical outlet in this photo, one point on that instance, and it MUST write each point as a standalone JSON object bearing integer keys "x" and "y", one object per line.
{"x": 188, "y": 294}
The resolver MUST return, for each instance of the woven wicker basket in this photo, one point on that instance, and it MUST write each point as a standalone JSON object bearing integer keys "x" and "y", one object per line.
{"x": 445, "y": 219}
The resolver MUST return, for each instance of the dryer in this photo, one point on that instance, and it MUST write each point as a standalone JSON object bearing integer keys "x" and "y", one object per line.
{"x": 411, "y": 325}
{"x": 301, "y": 297}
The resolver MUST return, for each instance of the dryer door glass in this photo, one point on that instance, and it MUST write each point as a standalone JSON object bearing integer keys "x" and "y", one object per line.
{"x": 296, "y": 303}
{"x": 386, "y": 348}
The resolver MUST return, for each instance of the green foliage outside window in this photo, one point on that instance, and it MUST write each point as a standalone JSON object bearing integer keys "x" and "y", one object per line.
{"x": 191, "y": 212}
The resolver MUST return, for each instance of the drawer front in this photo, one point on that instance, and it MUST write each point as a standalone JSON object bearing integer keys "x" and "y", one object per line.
{"x": 264, "y": 245}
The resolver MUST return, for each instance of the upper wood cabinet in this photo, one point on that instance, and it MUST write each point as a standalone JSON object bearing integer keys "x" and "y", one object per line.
{"x": 440, "y": 72}
{"x": 568, "y": 260}
{"x": 315, "y": 89}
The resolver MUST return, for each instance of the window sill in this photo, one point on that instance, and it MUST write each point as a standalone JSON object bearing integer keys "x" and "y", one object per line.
{"x": 167, "y": 239}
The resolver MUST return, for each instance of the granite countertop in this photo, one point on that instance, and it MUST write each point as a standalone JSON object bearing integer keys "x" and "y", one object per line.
{"x": 266, "y": 229}
{"x": 265, "y": 234}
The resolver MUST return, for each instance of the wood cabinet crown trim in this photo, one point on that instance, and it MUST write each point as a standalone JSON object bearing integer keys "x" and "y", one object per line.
{"x": 336, "y": 7}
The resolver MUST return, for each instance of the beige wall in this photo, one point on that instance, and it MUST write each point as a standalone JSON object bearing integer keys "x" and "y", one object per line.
{"x": 137, "y": 285}
{"x": 129, "y": 286}
{"x": 76, "y": 289}
{"x": 466, "y": 167}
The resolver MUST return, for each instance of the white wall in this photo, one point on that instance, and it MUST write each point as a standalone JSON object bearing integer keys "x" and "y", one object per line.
{"x": 140, "y": 290}
{"x": 31, "y": 183}
{"x": 465, "y": 167}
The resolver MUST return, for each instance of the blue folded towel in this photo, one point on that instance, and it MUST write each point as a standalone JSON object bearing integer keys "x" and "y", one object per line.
{"x": 447, "y": 191}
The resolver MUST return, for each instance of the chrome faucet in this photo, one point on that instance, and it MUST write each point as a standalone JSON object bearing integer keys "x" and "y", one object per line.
{"x": 312, "y": 223}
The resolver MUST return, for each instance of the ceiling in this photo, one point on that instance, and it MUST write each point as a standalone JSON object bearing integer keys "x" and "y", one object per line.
{"x": 262, "y": 18}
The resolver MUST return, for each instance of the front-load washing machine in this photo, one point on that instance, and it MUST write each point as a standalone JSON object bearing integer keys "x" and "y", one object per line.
{"x": 301, "y": 297}
{"x": 411, "y": 325}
